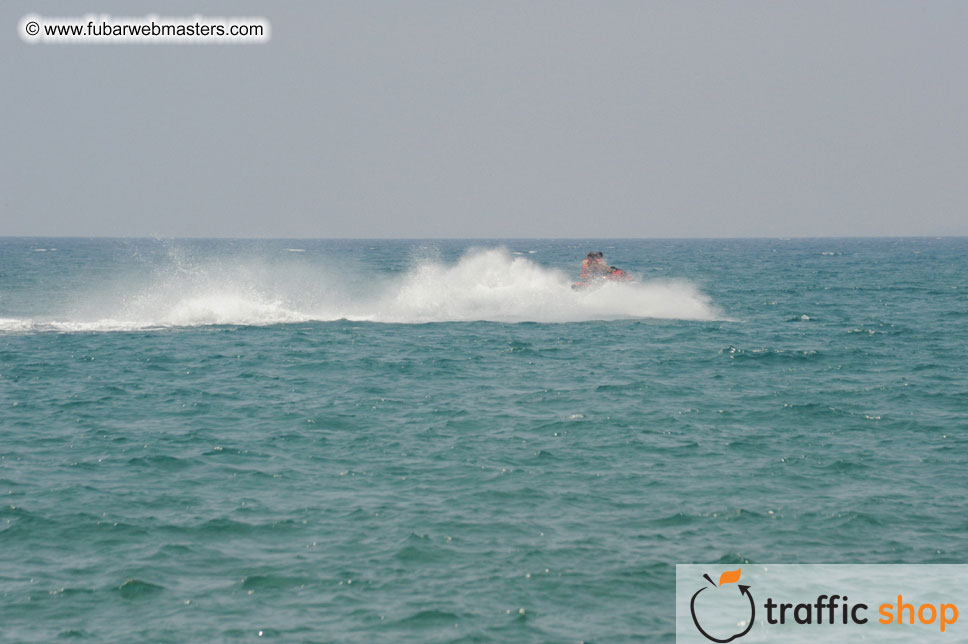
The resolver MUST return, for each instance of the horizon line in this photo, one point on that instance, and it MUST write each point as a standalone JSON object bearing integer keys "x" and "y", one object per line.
{"x": 523, "y": 238}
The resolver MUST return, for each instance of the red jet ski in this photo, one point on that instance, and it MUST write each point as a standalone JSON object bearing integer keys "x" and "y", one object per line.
{"x": 613, "y": 275}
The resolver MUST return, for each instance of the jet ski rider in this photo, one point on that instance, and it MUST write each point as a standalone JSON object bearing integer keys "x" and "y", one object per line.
{"x": 594, "y": 266}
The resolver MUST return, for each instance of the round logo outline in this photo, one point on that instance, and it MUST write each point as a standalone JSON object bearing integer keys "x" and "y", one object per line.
{"x": 745, "y": 590}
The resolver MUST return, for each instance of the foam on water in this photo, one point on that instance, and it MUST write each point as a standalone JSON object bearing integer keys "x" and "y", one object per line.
{"x": 492, "y": 285}
{"x": 483, "y": 285}
{"x": 15, "y": 325}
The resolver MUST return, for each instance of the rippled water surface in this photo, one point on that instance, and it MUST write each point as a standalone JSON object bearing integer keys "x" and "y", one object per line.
{"x": 441, "y": 441}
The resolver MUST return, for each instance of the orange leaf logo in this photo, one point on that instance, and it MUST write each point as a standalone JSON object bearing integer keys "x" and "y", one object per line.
{"x": 729, "y": 577}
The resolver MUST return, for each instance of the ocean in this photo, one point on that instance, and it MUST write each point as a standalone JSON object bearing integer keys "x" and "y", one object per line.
{"x": 440, "y": 441}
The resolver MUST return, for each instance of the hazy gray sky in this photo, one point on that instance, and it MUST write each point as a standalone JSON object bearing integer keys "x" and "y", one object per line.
{"x": 496, "y": 119}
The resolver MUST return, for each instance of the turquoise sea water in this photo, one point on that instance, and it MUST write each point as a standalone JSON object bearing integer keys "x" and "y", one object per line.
{"x": 440, "y": 441}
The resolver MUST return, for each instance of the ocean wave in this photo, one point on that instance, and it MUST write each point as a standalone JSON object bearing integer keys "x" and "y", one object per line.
{"x": 483, "y": 285}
